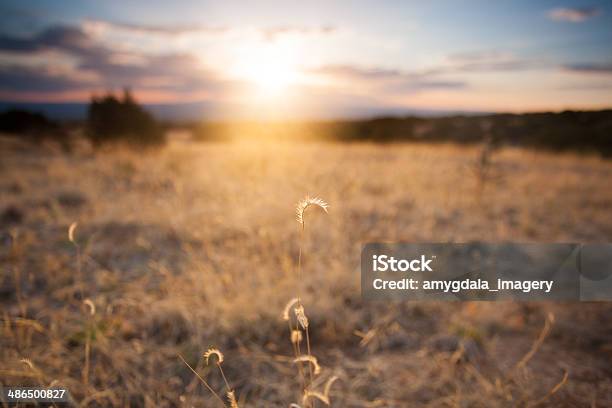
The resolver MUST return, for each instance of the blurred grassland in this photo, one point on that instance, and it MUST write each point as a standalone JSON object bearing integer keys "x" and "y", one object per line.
{"x": 195, "y": 245}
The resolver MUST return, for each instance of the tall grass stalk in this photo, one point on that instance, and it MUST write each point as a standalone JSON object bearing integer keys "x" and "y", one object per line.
{"x": 301, "y": 318}
{"x": 295, "y": 343}
{"x": 89, "y": 328}
{"x": 71, "y": 238}
{"x": 229, "y": 391}
{"x": 203, "y": 381}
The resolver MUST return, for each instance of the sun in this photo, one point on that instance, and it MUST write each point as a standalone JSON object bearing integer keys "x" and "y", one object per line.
{"x": 271, "y": 77}
{"x": 269, "y": 69}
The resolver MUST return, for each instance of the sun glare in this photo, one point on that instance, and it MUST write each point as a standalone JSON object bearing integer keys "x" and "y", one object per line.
{"x": 269, "y": 69}
{"x": 272, "y": 77}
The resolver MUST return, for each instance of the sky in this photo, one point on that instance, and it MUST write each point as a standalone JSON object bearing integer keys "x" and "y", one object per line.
{"x": 312, "y": 59}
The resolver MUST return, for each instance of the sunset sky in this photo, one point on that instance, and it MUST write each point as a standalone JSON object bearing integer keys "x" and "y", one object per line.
{"x": 312, "y": 58}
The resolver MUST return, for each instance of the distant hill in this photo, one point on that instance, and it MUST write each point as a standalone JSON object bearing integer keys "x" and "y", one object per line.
{"x": 196, "y": 111}
{"x": 60, "y": 111}
{"x": 568, "y": 130}
{"x": 589, "y": 131}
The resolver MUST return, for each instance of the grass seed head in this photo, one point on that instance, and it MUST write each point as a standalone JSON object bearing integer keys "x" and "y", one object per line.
{"x": 71, "y": 230}
{"x": 92, "y": 307}
{"x": 308, "y": 202}
{"x": 231, "y": 397}
{"x": 216, "y": 352}
{"x": 288, "y": 307}
{"x": 28, "y": 362}
{"x": 314, "y": 394}
{"x": 300, "y": 314}
{"x": 296, "y": 336}
{"x": 309, "y": 359}
{"x": 328, "y": 385}
{"x": 323, "y": 397}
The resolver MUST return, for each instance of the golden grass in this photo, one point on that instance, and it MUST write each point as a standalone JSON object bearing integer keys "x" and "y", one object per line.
{"x": 194, "y": 245}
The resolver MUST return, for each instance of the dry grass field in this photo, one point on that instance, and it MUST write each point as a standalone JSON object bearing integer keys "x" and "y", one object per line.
{"x": 196, "y": 245}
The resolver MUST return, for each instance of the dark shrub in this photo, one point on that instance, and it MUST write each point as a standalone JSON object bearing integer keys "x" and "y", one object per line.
{"x": 34, "y": 127}
{"x": 23, "y": 122}
{"x": 111, "y": 119}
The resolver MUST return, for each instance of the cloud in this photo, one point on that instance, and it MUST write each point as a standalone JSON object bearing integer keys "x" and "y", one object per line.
{"x": 91, "y": 57}
{"x": 441, "y": 76}
{"x": 589, "y": 68}
{"x": 272, "y": 33}
{"x": 98, "y": 26}
{"x": 356, "y": 72}
{"x": 387, "y": 80}
{"x": 65, "y": 37}
{"x": 18, "y": 78}
{"x": 98, "y": 66}
{"x": 573, "y": 14}
{"x": 478, "y": 61}
{"x": 422, "y": 85}
{"x": 594, "y": 87}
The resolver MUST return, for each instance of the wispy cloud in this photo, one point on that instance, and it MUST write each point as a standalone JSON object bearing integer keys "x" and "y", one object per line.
{"x": 488, "y": 60}
{"x": 589, "y": 68}
{"x": 449, "y": 74}
{"x": 387, "y": 80}
{"x": 357, "y": 73}
{"x": 439, "y": 76}
{"x": 99, "y": 26}
{"x": 573, "y": 14}
{"x": 18, "y": 78}
{"x": 68, "y": 38}
{"x": 99, "y": 66}
{"x": 272, "y": 33}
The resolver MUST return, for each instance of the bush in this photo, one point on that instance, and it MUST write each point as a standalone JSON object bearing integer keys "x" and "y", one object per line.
{"x": 34, "y": 127}
{"x": 23, "y": 122}
{"x": 111, "y": 119}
